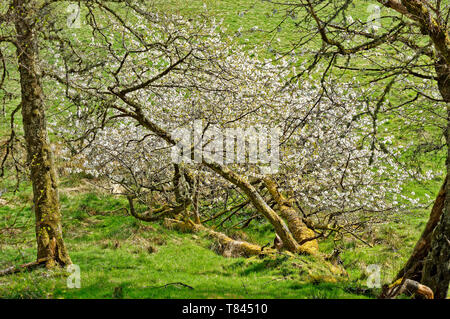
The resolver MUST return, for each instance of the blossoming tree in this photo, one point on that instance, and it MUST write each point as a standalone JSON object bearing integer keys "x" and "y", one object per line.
{"x": 145, "y": 78}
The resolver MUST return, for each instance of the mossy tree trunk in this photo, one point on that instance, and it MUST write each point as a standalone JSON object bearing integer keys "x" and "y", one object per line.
{"x": 304, "y": 236}
{"x": 49, "y": 238}
{"x": 240, "y": 181}
{"x": 229, "y": 246}
{"x": 261, "y": 205}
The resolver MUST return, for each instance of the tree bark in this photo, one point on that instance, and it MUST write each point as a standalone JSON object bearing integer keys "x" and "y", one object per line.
{"x": 27, "y": 266}
{"x": 436, "y": 269}
{"x": 260, "y": 204}
{"x": 43, "y": 177}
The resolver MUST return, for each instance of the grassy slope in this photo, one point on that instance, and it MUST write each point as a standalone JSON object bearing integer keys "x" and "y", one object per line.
{"x": 121, "y": 257}
{"x": 114, "y": 250}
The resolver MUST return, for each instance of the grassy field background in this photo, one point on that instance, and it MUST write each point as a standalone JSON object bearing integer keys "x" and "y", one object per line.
{"x": 121, "y": 257}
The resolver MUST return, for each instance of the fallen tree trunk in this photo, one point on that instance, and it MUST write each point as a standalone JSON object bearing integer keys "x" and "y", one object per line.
{"x": 229, "y": 246}
{"x": 235, "y": 248}
{"x": 436, "y": 266}
{"x": 31, "y": 265}
{"x": 260, "y": 204}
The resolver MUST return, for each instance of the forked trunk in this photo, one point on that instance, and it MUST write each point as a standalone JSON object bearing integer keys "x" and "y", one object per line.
{"x": 240, "y": 181}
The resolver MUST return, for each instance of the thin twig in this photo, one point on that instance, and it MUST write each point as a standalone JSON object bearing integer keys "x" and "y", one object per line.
{"x": 172, "y": 284}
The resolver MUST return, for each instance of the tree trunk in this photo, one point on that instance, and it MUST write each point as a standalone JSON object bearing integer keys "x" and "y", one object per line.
{"x": 260, "y": 204}
{"x": 304, "y": 236}
{"x": 240, "y": 181}
{"x": 436, "y": 269}
{"x": 229, "y": 246}
{"x": 430, "y": 260}
{"x": 50, "y": 243}
{"x": 414, "y": 266}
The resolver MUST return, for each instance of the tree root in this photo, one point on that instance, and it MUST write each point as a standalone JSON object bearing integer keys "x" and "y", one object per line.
{"x": 407, "y": 286}
{"x": 31, "y": 265}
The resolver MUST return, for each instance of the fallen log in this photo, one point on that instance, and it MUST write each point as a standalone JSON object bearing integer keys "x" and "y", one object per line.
{"x": 30, "y": 265}
{"x": 229, "y": 247}
{"x": 155, "y": 214}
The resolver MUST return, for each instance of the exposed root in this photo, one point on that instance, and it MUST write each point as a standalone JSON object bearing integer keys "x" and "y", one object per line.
{"x": 407, "y": 286}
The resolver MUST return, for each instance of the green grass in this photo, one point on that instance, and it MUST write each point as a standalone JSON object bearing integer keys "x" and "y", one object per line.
{"x": 121, "y": 257}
